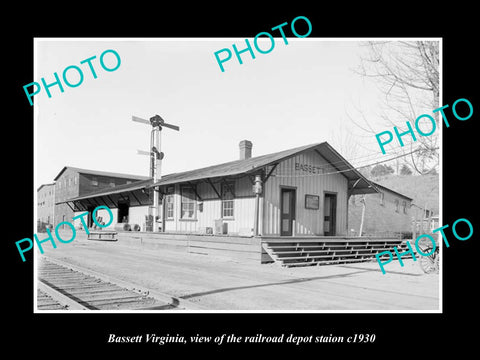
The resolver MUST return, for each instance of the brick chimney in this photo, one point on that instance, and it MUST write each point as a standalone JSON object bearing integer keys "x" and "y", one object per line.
{"x": 245, "y": 149}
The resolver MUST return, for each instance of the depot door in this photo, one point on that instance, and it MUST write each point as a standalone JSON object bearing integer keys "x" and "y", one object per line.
{"x": 287, "y": 211}
{"x": 123, "y": 208}
{"x": 329, "y": 214}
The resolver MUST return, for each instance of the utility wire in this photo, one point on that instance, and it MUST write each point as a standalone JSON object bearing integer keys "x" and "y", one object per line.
{"x": 365, "y": 158}
{"x": 342, "y": 171}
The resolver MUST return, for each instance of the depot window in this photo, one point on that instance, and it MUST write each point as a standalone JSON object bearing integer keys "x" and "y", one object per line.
{"x": 227, "y": 200}
{"x": 169, "y": 203}
{"x": 188, "y": 203}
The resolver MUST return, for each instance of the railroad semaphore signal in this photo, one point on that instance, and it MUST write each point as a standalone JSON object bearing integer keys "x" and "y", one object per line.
{"x": 156, "y": 156}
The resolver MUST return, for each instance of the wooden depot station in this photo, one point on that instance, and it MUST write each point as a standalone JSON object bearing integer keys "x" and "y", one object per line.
{"x": 290, "y": 207}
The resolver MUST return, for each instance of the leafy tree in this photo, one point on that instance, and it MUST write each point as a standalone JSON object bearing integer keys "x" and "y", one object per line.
{"x": 365, "y": 170}
{"x": 381, "y": 170}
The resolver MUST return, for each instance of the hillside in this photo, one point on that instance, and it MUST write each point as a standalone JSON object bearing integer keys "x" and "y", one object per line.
{"x": 424, "y": 190}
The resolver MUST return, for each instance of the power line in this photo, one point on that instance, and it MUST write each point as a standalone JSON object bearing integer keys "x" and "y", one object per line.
{"x": 366, "y": 158}
{"x": 354, "y": 168}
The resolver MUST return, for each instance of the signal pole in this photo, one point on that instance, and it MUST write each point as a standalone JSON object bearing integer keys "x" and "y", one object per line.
{"x": 156, "y": 156}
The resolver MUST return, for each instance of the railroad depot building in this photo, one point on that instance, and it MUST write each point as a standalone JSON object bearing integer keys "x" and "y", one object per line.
{"x": 304, "y": 191}
{"x": 244, "y": 207}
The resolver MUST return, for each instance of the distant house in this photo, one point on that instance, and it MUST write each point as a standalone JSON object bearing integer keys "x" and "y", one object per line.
{"x": 424, "y": 220}
{"x": 385, "y": 213}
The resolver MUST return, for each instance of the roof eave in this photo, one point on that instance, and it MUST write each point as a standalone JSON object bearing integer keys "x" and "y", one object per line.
{"x": 134, "y": 186}
{"x": 254, "y": 169}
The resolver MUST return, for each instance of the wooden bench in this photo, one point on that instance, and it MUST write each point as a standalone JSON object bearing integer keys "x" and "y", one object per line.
{"x": 103, "y": 235}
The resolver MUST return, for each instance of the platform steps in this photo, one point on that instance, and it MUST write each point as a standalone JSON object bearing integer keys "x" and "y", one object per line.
{"x": 312, "y": 253}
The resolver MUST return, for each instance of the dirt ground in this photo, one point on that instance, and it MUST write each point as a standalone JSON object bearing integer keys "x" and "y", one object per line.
{"x": 218, "y": 283}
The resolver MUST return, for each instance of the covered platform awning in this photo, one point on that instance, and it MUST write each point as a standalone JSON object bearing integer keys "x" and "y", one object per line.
{"x": 133, "y": 194}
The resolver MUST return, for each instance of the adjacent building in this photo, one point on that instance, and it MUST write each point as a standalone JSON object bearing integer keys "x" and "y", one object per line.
{"x": 72, "y": 182}
{"x": 45, "y": 205}
{"x": 386, "y": 213}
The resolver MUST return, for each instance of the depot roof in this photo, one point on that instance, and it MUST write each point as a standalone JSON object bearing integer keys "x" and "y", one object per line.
{"x": 357, "y": 183}
{"x": 382, "y": 188}
{"x": 135, "y": 193}
{"x": 45, "y": 185}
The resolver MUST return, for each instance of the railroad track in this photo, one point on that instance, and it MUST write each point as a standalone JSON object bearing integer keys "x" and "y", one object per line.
{"x": 65, "y": 287}
{"x": 47, "y": 302}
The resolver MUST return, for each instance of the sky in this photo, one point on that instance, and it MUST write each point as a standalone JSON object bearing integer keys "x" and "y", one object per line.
{"x": 298, "y": 94}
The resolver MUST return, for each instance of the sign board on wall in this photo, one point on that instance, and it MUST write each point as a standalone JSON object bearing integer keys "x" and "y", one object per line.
{"x": 312, "y": 202}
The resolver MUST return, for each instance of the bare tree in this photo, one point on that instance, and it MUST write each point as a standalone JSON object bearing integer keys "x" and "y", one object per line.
{"x": 345, "y": 142}
{"x": 407, "y": 73}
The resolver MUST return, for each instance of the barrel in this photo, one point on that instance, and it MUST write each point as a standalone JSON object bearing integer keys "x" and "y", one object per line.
{"x": 122, "y": 227}
{"x": 136, "y": 227}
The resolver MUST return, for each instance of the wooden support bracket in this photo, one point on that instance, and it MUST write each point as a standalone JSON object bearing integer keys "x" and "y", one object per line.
{"x": 214, "y": 188}
{"x": 228, "y": 186}
{"x": 131, "y": 192}
{"x": 113, "y": 202}
{"x": 194, "y": 188}
{"x": 270, "y": 173}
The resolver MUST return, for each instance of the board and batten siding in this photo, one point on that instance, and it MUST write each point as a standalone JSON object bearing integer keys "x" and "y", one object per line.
{"x": 244, "y": 208}
{"x": 305, "y": 181}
